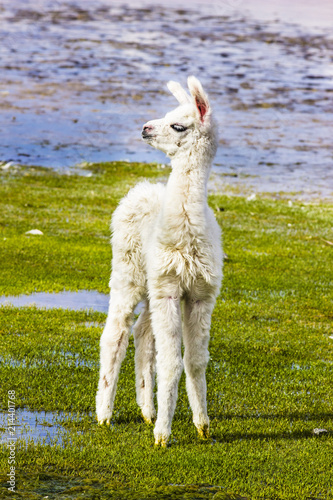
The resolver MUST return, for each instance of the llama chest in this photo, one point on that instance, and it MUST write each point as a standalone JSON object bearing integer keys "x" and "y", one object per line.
{"x": 185, "y": 266}
{"x": 189, "y": 256}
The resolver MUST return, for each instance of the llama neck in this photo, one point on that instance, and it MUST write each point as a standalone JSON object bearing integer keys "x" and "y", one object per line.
{"x": 188, "y": 183}
{"x": 185, "y": 202}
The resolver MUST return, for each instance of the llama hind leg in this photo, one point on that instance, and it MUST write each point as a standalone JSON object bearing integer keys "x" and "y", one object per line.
{"x": 145, "y": 364}
{"x": 197, "y": 319}
{"x": 113, "y": 344}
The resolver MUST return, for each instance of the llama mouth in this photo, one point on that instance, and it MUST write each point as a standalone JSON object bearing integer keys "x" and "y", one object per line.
{"x": 147, "y": 137}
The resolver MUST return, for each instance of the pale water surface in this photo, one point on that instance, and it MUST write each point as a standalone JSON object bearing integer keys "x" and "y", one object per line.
{"x": 36, "y": 426}
{"x": 81, "y": 300}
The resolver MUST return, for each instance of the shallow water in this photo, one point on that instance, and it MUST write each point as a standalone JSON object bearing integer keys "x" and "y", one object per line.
{"x": 38, "y": 426}
{"x": 80, "y": 79}
{"x": 81, "y": 300}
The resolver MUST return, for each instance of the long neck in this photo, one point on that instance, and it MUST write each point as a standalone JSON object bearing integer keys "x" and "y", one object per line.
{"x": 190, "y": 171}
{"x": 185, "y": 202}
{"x": 187, "y": 184}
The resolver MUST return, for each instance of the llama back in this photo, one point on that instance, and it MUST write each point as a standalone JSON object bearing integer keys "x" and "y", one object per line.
{"x": 132, "y": 221}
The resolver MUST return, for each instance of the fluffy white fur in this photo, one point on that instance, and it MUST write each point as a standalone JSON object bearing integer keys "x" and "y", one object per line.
{"x": 166, "y": 250}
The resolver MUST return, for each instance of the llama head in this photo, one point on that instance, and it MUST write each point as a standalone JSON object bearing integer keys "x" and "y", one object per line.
{"x": 187, "y": 129}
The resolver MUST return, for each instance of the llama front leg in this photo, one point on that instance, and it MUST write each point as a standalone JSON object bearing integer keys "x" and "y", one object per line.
{"x": 145, "y": 364}
{"x": 197, "y": 319}
{"x": 113, "y": 344}
{"x": 166, "y": 322}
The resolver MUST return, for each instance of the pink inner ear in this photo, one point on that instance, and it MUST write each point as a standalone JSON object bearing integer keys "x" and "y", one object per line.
{"x": 202, "y": 107}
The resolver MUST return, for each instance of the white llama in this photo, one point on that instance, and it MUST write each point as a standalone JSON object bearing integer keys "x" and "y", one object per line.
{"x": 166, "y": 250}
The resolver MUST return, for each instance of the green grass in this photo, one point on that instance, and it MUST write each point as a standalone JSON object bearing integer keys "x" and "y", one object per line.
{"x": 73, "y": 212}
{"x": 271, "y": 368}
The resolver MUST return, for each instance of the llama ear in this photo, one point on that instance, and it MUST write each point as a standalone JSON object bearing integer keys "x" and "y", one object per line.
{"x": 180, "y": 94}
{"x": 200, "y": 97}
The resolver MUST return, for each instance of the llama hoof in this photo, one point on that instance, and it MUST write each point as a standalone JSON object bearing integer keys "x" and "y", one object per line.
{"x": 148, "y": 415}
{"x": 203, "y": 431}
{"x": 103, "y": 414}
{"x": 102, "y": 421}
{"x": 147, "y": 420}
{"x": 161, "y": 442}
{"x": 161, "y": 434}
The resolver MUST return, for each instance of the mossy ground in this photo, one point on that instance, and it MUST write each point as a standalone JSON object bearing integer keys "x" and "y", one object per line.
{"x": 271, "y": 368}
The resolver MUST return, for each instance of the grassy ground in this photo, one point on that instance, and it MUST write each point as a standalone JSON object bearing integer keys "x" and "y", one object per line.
{"x": 271, "y": 367}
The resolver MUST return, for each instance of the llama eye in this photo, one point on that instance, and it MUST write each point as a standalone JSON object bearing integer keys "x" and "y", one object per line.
{"x": 178, "y": 128}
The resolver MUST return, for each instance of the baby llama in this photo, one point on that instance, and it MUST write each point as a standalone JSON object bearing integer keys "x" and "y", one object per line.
{"x": 166, "y": 252}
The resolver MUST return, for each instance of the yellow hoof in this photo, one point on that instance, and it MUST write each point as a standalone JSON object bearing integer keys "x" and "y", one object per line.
{"x": 203, "y": 431}
{"x": 161, "y": 442}
{"x": 102, "y": 422}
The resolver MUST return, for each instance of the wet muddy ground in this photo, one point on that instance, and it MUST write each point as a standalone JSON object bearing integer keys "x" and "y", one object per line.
{"x": 80, "y": 79}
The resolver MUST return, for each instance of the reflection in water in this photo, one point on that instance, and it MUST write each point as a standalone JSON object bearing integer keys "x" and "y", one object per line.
{"x": 79, "y": 80}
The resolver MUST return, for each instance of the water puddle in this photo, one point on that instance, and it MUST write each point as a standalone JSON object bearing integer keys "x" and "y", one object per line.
{"x": 38, "y": 426}
{"x": 81, "y": 300}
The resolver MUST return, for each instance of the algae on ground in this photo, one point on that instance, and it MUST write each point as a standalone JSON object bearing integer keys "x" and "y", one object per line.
{"x": 271, "y": 352}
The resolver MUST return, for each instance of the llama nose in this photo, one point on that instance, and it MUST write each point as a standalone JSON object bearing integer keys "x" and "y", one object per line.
{"x": 147, "y": 129}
